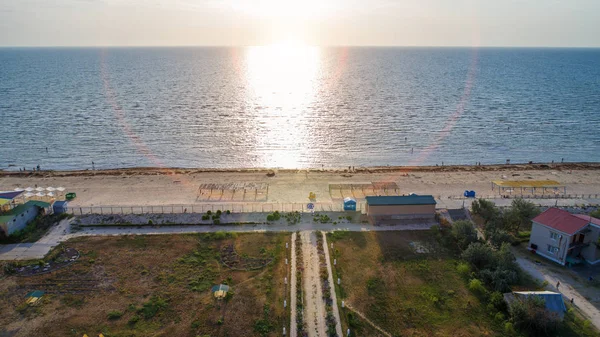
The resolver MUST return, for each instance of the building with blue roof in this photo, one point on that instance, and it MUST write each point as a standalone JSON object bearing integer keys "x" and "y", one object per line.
{"x": 554, "y": 301}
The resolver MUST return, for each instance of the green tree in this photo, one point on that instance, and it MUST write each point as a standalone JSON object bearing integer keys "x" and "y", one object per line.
{"x": 485, "y": 209}
{"x": 520, "y": 214}
{"x": 596, "y": 213}
{"x": 464, "y": 232}
{"x": 480, "y": 256}
{"x": 498, "y": 238}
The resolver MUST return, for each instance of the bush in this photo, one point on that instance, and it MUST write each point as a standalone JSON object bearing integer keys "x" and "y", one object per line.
{"x": 219, "y": 212}
{"x": 477, "y": 287}
{"x": 216, "y": 222}
{"x": 463, "y": 269}
{"x": 227, "y": 212}
{"x": 464, "y": 233}
{"x": 205, "y": 217}
{"x": 114, "y": 314}
{"x": 152, "y": 307}
{"x": 497, "y": 300}
{"x": 479, "y": 255}
{"x": 133, "y": 320}
{"x": 270, "y": 217}
{"x": 509, "y": 329}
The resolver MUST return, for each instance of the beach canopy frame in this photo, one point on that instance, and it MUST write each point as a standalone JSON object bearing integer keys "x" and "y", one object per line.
{"x": 528, "y": 185}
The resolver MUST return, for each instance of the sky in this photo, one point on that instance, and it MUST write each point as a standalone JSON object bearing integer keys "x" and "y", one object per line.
{"x": 523, "y": 23}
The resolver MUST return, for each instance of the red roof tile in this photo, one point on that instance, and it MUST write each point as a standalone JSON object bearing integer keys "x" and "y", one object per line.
{"x": 588, "y": 219}
{"x": 561, "y": 220}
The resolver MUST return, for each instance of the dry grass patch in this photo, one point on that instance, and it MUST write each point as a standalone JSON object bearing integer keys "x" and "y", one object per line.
{"x": 402, "y": 290}
{"x": 154, "y": 286}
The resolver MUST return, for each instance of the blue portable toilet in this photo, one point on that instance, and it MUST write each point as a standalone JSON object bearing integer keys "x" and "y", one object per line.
{"x": 469, "y": 194}
{"x": 60, "y": 206}
{"x": 349, "y": 204}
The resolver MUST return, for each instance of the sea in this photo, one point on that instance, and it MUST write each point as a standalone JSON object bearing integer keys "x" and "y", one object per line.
{"x": 286, "y": 106}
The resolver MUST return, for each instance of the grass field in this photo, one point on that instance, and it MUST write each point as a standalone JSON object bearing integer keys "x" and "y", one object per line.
{"x": 407, "y": 284}
{"x": 154, "y": 286}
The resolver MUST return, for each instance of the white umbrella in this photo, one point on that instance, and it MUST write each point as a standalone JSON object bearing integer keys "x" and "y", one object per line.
{"x": 60, "y": 189}
{"x": 50, "y": 194}
{"x": 39, "y": 194}
{"x": 29, "y": 189}
{"x": 18, "y": 189}
{"x": 50, "y": 189}
{"x": 39, "y": 189}
{"x": 29, "y": 195}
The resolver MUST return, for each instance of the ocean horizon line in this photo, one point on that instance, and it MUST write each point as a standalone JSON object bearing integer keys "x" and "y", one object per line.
{"x": 307, "y": 45}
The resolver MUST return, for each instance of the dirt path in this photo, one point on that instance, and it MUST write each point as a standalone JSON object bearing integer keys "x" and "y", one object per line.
{"x": 336, "y": 312}
{"x": 293, "y": 326}
{"x": 567, "y": 288}
{"x": 368, "y": 320}
{"x": 314, "y": 311}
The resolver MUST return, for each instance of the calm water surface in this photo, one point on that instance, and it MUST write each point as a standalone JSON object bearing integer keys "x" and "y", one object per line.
{"x": 296, "y": 107}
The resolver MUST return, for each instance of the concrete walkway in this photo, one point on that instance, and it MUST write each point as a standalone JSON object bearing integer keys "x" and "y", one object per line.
{"x": 39, "y": 249}
{"x": 567, "y": 287}
{"x": 61, "y": 232}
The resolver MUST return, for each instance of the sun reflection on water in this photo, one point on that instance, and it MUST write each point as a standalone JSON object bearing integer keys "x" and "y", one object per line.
{"x": 283, "y": 81}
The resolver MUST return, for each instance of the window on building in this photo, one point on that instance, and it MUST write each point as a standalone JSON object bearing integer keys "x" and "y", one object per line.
{"x": 554, "y": 236}
{"x": 552, "y": 249}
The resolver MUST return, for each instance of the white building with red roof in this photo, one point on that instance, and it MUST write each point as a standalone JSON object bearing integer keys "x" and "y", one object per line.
{"x": 566, "y": 238}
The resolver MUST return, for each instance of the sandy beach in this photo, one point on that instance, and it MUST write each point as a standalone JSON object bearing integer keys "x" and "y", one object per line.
{"x": 155, "y": 186}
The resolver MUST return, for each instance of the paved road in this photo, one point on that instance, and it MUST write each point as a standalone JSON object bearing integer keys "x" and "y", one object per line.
{"x": 567, "y": 288}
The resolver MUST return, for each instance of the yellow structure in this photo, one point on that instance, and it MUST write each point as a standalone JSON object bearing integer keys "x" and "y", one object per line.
{"x": 527, "y": 185}
{"x": 220, "y": 291}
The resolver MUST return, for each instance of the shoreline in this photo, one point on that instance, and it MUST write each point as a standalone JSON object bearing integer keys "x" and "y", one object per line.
{"x": 373, "y": 169}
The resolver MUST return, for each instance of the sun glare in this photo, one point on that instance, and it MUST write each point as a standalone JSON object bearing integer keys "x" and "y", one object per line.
{"x": 283, "y": 81}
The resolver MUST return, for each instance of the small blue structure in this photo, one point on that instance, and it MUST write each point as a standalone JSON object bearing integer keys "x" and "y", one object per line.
{"x": 469, "y": 194}
{"x": 349, "y": 204}
{"x": 60, "y": 206}
{"x": 553, "y": 301}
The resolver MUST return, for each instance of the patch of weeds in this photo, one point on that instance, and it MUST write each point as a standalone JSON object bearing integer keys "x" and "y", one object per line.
{"x": 114, "y": 314}
{"x": 72, "y": 301}
{"x": 275, "y": 216}
{"x": 133, "y": 320}
{"x": 293, "y": 218}
{"x": 264, "y": 326}
{"x": 153, "y": 307}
